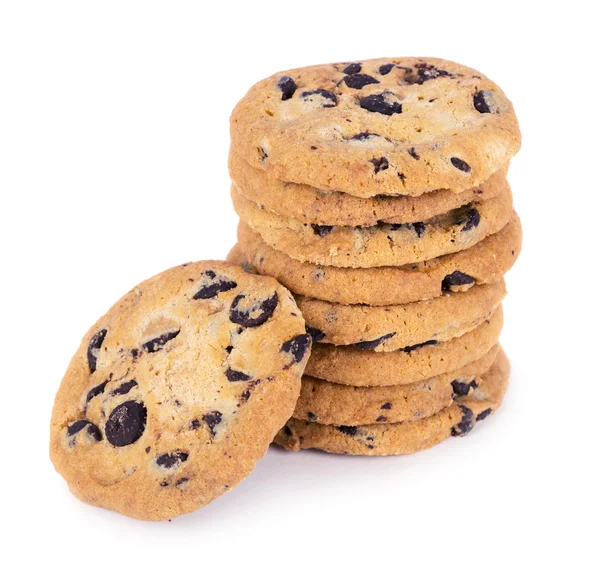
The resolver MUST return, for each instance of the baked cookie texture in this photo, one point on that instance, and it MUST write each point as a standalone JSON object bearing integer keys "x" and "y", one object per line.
{"x": 377, "y": 127}
{"x": 485, "y": 262}
{"x": 178, "y": 390}
{"x": 383, "y": 439}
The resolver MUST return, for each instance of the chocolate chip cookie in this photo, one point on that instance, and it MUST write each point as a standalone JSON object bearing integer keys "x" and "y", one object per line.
{"x": 167, "y": 403}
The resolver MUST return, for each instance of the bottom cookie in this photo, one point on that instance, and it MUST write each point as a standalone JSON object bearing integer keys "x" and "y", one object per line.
{"x": 385, "y": 439}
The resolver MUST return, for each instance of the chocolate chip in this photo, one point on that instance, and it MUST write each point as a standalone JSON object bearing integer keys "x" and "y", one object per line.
{"x": 385, "y": 69}
{"x": 194, "y": 424}
{"x": 386, "y": 406}
{"x": 164, "y": 483}
{"x": 213, "y": 284}
{"x": 373, "y": 343}
{"x": 357, "y": 81}
{"x": 181, "y": 481}
{"x": 297, "y": 346}
{"x": 471, "y": 220}
{"x": 379, "y": 104}
{"x": 263, "y": 154}
{"x": 235, "y": 375}
{"x": 460, "y": 165}
{"x": 329, "y": 98}
{"x": 92, "y": 430}
{"x": 255, "y": 315}
{"x": 157, "y": 344}
{"x": 311, "y": 416}
{"x": 483, "y": 414}
{"x": 425, "y": 72}
{"x": 456, "y": 279}
{"x": 321, "y": 230}
{"x": 316, "y": 334}
{"x": 461, "y": 389}
{"x": 362, "y": 136}
{"x": 482, "y": 103}
{"x": 409, "y": 349}
{"x": 125, "y": 388}
{"x": 352, "y": 68}
{"x": 93, "y": 349}
{"x": 380, "y": 164}
{"x": 212, "y": 419}
{"x": 126, "y": 423}
{"x": 419, "y": 228}
{"x": 174, "y": 459}
{"x": 348, "y": 429}
{"x": 381, "y": 419}
{"x": 245, "y": 395}
{"x": 287, "y": 86}
{"x": 95, "y": 391}
{"x": 466, "y": 423}
{"x": 413, "y": 153}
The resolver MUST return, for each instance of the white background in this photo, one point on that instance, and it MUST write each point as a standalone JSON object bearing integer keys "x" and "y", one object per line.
{"x": 113, "y": 150}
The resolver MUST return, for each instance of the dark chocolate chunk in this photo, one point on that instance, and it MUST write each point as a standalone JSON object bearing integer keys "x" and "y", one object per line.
{"x": 330, "y": 99}
{"x": 194, "y": 424}
{"x": 371, "y": 344}
{"x": 95, "y": 391}
{"x": 311, "y": 416}
{"x": 456, "y": 279}
{"x": 386, "y": 406}
{"x": 461, "y": 389}
{"x": 380, "y": 164}
{"x": 482, "y": 103}
{"x": 362, "y": 136}
{"x": 92, "y": 430}
{"x": 255, "y": 315}
{"x": 171, "y": 460}
{"x": 419, "y": 228}
{"x": 164, "y": 483}
{"x": 385, "y": 69}
{"x": 425, "y": 72}
{"x": 125, "y": 388}
{"x": 316, "y": 334}
{"x": 471, "y": 220}
{"x": 483, "y": 414}
{"x": 215, "y": 284}
{"x": 352, "y": 68}
{"x": 460, "y": 165}
{"x": 94, "y": 348}
{"x": 235, "y": 375}
{"x": 321, "y": 230}
{"x": 348, "y": 429}
{"x": 466, "y": 423}
{"x": 287, "y": 86}
{"x": 297, "y": 346}
{"x": 357, "y": 81}
{"x": 181, "y": 481}
{"x": 413, "y": 153}
{"x": 158, "y": 343}
{"x": 245, "y": 395}
{"x": 409, "y": 349}
{"x": 379, "y": 104}
{"x": 212, "y": 419}
{"x": 381, "y": 419}
{"x": 126, "y": 423}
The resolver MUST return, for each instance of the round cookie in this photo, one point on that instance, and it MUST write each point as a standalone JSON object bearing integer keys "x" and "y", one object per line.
{"x": 178, "y": 390}
{"x": 347, "y": 365}
{"x": 486, "y": 262}
{"x": 389, "y": 126}
{"x": 335, "y": 208}
{"x": 385, "y": 439}
{"x": 392, "y": 327}
{"x": 381, "y": 245}
{"x": 332, "y": 404}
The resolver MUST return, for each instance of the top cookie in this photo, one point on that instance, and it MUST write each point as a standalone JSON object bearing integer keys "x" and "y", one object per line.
{"x": 178, "y": 390}
{"x": 379, "y": 127}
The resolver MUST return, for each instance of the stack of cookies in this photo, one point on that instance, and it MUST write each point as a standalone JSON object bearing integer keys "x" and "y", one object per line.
{"x": 377, "y": 193}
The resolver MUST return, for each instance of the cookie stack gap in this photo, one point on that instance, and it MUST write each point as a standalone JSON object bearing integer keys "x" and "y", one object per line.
{"x": 376, "y": 191}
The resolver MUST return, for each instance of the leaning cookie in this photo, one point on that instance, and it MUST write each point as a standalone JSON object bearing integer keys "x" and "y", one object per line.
{"x": 486, "y": 262}
{"x": 330, "y": 403}
{"x": 404, "y": 125}
{"x": 385, "y": 439}
{"x": 167, "y": 403}
{"x": 349, "y": 365}
{"x": 335, "y": 208}
{"x": 382, "y": 245}
{"x": 392, "y": 327}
